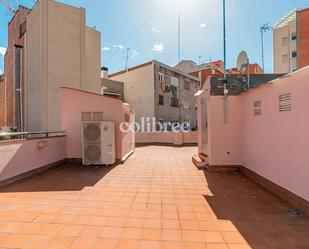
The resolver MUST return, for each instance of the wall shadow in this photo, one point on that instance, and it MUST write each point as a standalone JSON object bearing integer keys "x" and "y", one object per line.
{"x": 67, "y": 177}
{"x": 258, "y": 216}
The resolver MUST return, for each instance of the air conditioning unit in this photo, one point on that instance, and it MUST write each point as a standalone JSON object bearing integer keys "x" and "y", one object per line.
{"x": 98, "y": 142}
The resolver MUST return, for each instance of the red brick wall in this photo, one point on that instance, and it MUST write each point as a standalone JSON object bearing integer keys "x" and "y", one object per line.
{"x": 13, "y": 39}
{"x": 2, "y": 118}
{"x": 303, "y": 22}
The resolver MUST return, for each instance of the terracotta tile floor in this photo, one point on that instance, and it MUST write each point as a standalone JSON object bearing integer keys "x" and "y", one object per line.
{"x": 157, "y": 199}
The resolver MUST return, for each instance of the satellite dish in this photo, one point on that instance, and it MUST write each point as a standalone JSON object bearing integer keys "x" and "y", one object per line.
{"x": 242, "y": 61}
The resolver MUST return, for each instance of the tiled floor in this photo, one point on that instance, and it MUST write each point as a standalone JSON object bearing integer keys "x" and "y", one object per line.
{"x": 157, "y": 199}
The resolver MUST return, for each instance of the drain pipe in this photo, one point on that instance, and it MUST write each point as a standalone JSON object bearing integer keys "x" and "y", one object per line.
{"x": 225, "y": 90}
{"x": 248, "y": 74}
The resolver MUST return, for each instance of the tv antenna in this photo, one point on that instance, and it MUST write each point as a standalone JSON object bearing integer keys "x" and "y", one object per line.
{"x": 263, "y": 30}
{"x": 8, "y": 4}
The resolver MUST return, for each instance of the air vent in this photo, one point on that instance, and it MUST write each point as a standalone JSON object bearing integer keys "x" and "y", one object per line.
{"x": 285, "y": 102}
{"x": 86, "y": 116}
{"x": 257, "y": 108}
{"x": 98, "y": 116}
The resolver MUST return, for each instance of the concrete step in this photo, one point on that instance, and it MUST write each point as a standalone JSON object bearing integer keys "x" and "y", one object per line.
{"x": 198, "y": 162}
{"x": 203, "y": 157}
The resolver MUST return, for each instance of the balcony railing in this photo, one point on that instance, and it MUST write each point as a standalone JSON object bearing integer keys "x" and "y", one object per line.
{"x": 33, "y": 134}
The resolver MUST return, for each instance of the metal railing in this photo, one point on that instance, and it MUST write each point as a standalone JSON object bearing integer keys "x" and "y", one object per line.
{"x": 33, "y": 134}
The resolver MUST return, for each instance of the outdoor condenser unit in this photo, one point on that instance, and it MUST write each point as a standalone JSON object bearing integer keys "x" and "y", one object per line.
{"x": 98, "y": 142}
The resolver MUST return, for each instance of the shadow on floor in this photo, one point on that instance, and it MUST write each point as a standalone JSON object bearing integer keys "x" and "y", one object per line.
{"x": 259, "y": 216}
{"x": 68, "y": 177}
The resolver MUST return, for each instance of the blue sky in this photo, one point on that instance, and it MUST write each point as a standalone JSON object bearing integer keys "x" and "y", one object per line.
{"x": 149, "y": 28}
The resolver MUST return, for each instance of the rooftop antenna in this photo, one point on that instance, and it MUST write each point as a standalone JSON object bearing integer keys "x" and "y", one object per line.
{"x": 179, "y": 38}
{"x": 127, "y": 57}
{"x": 9, "y": 6}
{"x": 263, "y": 30}
{"x": 200, "y": 60}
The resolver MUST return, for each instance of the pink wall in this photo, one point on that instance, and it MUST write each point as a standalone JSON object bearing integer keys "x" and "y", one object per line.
{"x": 74, "y": 102}
{"x": 274, "y": 144}
{"x": 224, "y": 139}
{"x": 167, "y": 137}
{"x": 20, "y": 156}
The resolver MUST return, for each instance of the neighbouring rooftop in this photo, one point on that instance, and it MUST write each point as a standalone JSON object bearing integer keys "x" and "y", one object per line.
{"x": 157, "y": 199}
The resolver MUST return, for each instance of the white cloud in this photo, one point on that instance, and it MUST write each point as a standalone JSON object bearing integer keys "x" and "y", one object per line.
{"x": 157, "y": 29}
{"x": 1, "y": 71}
{"x": 133, "y": 53}
{"x": 120, "y": 46}
{"x": 2, "y": 51}
{"x": 106, "y": 49}
{"x": 203, "y": 25}
{"x": 158, "y": 48}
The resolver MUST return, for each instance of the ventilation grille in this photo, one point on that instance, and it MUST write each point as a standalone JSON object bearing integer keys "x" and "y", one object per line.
{"x": 86, "y": 116}
{"x": 97, "y": 116}
{"x": 257, "y": 108}
{"x": 285, "y": 102}
{"x": 92, "y": 116}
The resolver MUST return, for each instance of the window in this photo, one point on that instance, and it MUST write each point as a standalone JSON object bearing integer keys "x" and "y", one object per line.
{"x": 284, "y": 41}
{"x": 293, "y": 36}
{"x": 174, "y": 81}
{"x": 161, "y": 100}
{"x": 22, "y": 29}
{"x": 294, "y": 54}
{"x": 285, "y": 58}
{"x": 161, "y": 77}
{"x": 187, "y": 85}
{"x": 174, "y": 102}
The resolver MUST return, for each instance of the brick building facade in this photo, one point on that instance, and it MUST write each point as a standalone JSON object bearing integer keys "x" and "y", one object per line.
{"x": 303, "y": 30}
{"x": 13, "y": 69}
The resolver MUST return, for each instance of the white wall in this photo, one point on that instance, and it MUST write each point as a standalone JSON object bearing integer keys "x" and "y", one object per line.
{"x": 139, "y": 90}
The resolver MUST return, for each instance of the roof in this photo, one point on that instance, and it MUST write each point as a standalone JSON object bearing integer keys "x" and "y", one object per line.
{"x": 154, "y": 62}
{"x": 130, "y": 69}
{"x": 291, "y": 16}
{"x": 97, "y": 94}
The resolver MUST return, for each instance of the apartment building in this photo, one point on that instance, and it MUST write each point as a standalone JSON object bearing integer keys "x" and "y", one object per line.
{"x": 291, "y": 41}
{"x": 203, "y": 71}
{"x": 157, "y": 90}
{"x": 58, "y": 50}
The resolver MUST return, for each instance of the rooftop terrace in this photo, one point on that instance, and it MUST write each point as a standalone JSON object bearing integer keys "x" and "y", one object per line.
{"x": 157, "y": 199}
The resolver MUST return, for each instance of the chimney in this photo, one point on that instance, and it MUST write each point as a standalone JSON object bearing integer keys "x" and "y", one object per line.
{"x": 104, "y": 72}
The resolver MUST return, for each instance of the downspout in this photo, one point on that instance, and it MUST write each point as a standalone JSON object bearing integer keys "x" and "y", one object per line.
{"x": 225, "y": 90}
